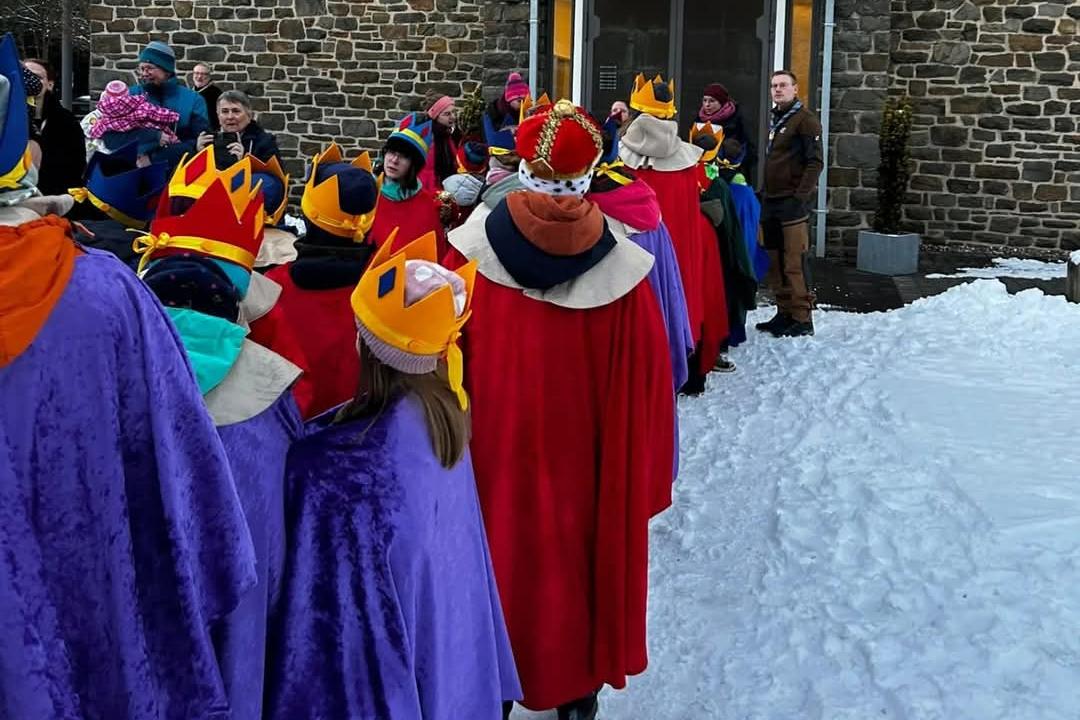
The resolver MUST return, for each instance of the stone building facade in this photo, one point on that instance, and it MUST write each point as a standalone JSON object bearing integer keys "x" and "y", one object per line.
{"x": 321, "y": 70}
{"x": 996, "y": 92}
{"x": 995, "y": 85}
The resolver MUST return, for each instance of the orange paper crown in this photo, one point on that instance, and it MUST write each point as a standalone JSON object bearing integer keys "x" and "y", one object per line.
{"x": 273, "y": 168}
{"x": 563, "y": 143}
{"x": 321, "y": 204}
{"x": 644, "y": 97}
{"x": 706, "y": 129}
{"x": 225, "y": 221}
{"x": 430, "y": 326}
{"x": 530, "y": 108}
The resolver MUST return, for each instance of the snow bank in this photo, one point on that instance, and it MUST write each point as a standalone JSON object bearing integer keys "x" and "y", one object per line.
{"x": 879, "y": 522}
{"x": 1012, "y": 267}
{"x": 1075, "y": 257}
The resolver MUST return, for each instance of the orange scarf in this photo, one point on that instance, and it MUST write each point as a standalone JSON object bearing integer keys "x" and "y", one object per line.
{"x": 36, "y": 260}
{"x": 556, "y": 225}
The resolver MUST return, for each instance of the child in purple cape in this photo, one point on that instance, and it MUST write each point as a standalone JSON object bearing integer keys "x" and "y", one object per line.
{"x": 390, "y": 609}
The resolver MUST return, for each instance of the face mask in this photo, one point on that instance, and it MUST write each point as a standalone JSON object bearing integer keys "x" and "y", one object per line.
{"x": 212, "y": 344}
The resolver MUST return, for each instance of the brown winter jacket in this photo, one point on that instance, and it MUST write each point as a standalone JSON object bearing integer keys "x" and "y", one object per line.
{"x": 794, "y": 162}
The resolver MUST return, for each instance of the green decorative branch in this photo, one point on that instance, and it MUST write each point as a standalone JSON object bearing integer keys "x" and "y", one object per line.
{"x": 894, "y": 172}
{"x": 471, "y": 113}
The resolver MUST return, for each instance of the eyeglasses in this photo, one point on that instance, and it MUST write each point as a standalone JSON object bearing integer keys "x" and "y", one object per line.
{"x": 146, "y": 68}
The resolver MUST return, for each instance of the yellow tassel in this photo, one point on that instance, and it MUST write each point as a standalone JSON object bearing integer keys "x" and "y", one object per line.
{"x": 455, "y": 366}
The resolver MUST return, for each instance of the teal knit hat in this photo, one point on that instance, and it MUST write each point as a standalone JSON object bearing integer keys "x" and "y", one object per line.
{"x": 160, "y": 54}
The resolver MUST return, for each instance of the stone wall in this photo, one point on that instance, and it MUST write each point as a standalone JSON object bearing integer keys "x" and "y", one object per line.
{"x": 322, "y": 70}
{"x": 996, "y": 90}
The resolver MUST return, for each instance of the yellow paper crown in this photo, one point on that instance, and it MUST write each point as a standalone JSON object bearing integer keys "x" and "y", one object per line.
{"x": 708, "y": 129}
{"x": 643, "y": 99}
{"x": 196, "y": 173}
{"x": 320, "y": 202}
{"x": 273, "y": 217}
{"x": 431, "y": 325}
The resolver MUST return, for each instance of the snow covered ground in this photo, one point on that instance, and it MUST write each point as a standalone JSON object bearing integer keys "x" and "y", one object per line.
{"x": 1012, "y": 267}
{"x": 879, "y": 522}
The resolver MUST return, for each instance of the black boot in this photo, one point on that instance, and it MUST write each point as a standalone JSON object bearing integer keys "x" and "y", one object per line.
{"x": 583, "y": 709}
{"x": 778, "y": 320}
{"x": 795, "y": 328}
{"x": 508, "y": 707}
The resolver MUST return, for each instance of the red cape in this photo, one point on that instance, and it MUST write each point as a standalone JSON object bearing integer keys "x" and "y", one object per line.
{"x": 316, "y": 330}
{"x": 414, "y": 218}
{"x": 698, "y": 251}
{"x": 572, "y": 447}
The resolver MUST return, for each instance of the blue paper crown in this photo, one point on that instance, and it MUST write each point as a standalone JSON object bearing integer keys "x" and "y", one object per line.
{"x": 611, "y": 134}
{"x": 15, "y": 133}
{"x": 127, "y": 191}
{"x": 499, "y": 139}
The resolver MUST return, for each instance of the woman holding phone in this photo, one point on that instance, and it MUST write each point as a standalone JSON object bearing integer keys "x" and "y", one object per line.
{"x": 239, "y": 135}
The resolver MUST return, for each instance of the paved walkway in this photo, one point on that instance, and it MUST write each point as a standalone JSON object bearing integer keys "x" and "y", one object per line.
{"x": 839, "y": 284}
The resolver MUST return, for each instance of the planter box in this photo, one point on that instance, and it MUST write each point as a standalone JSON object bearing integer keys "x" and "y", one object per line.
{"x": 888, "y": 254}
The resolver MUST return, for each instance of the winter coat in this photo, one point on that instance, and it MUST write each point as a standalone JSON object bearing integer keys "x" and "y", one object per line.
{"x": 210, "y": 95}
{"x": 795, "y": 159}
{"x": 256, "y": 142}
{"x": 193, "y": 117}
{"x": 63, "y": 156}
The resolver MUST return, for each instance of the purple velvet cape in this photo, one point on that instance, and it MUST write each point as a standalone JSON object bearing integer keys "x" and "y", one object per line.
{"x": 390, "y": 609}
{"x": 666, "y": 281}
{"x": 257, "y": 449}
{"x": 121, "y": 534}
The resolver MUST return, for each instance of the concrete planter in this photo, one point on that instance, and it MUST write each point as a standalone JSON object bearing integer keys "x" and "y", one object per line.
{"x": 888, "y": 254}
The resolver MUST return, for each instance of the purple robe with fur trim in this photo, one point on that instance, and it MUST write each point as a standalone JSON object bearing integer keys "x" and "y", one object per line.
{"x": 121, "y": 534}
{"x": 390, "y": 609}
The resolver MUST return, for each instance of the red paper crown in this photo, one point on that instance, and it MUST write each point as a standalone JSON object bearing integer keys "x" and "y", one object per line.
{"x": 563, "y": 143}
{"x": 224, "y": 222}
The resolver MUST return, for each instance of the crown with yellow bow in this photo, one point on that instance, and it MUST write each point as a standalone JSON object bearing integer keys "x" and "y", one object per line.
{"x": 209, "y": 212}
{"x": 706, "y": 129}
{"x": 321, "y": 203}
{"x": 407, "y": 336}
{"x": 654, "y": 97}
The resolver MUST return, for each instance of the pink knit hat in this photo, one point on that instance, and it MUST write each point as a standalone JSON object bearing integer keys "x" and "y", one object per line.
{"x": 422, "y": 277}
{"x": 516, "y": 88}
{"x": 439, "y": 106}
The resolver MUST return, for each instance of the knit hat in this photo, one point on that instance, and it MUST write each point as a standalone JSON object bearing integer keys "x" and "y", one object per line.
{"x": 717, "y": 92}
{"x": 412, "y": 138}
{"x": 160, "y": 54}
{"x": 196, "y": 283}
{"x": 472, "y": 156}
{"x": 339, "y": 199}
{"x": 439, "y": 106}
{"x": 410, "y": 310}
{"x": 559, "y": 149}
{"x": 516, "y": 88}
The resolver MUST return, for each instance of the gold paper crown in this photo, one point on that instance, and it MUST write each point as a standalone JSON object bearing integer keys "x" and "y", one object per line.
{"x": 273, "y": 217}
{"x": 528, "y": 107}
{"x": 321, "y": 204}
{"x": 643, "y": 99}
{"x": 708, "y": 129}
{"x": 193, "y": 176}
{"x": 431, "y": 325}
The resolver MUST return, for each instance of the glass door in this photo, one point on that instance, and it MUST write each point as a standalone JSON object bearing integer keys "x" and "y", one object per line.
{"x": 625, "y": 37}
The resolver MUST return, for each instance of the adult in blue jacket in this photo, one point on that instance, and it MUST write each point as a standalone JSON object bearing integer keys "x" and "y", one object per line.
{"x": 157, "y": 80}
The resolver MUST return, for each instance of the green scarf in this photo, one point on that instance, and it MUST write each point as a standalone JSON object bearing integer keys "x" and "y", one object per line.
{"x": 392, "y": 190}
{"x": 212, "y": 344}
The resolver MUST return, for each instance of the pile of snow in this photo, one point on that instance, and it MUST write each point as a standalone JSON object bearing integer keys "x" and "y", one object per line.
{"x": 1012, "y": 267}
{"x": 1075, "y": 257}
{"x": 879, "y": 522}
{"x": 296, "y": 223}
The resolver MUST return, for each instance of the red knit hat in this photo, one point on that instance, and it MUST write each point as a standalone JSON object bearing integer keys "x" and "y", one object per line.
{"x": 516, "y": 88}
{"x": 563, "y": 143}
{"x": 718, "y": 92}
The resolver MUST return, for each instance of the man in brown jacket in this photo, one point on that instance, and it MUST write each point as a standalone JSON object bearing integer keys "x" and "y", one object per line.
{"x": 792, "y": 164}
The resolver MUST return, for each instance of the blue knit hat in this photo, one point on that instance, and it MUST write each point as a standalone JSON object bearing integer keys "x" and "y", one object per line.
{"x": 160, "y": 54}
